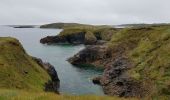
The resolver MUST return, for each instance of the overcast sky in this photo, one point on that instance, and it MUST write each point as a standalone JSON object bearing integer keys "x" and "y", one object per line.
{"x": 84, "y": 11}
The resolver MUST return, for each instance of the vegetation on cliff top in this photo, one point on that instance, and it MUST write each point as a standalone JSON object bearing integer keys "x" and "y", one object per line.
{"x": 74, "y": 33}
{"x": 17, "y": 69}
{"x": 148, "y": 48}
{"x": 100, "y": 32}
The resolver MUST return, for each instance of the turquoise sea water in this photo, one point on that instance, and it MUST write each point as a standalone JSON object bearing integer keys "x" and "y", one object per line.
{"x": 74, "y": 80}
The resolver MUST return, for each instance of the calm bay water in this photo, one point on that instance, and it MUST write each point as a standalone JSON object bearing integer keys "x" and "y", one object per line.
{"x": 73, "y": 80}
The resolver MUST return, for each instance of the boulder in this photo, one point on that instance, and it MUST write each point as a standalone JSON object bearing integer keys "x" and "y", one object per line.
{"x": 96, "y": 80}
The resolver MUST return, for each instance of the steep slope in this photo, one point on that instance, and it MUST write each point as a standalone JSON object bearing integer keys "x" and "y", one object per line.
{"x": 18, "y": 70}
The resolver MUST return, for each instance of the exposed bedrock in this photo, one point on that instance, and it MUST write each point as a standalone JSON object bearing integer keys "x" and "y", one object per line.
{"x": 77, "y": 38}
{"x": 91, "y": 55}
{"x": 87, "y": 38}
{"x": 54, "y": 84}
{"x": 115, "y": 79}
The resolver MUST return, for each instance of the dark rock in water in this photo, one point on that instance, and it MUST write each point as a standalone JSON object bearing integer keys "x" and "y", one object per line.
{"x": 77, "y": 38}
{"x": 54, "y": 84}
{"x": 89, "y": 54}
{"x": 96, "y": 80}
{"x": 53, "y": 39}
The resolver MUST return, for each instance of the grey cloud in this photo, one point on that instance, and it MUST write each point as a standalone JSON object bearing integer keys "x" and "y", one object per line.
{"x": 84, "y": 11}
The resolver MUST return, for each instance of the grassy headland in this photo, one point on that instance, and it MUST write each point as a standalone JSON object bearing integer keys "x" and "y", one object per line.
{"x": 146, "y": 48}
{"x": 79, "y": 34}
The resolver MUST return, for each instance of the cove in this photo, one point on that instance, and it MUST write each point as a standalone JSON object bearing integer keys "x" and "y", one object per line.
{"x": 74, "y": 80}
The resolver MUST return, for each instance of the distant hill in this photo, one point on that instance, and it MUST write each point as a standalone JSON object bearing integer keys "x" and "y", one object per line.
{"x": 69, "y": 25}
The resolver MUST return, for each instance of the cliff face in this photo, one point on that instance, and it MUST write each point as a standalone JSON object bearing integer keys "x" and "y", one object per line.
{"x": 135, "y": 62}
{"x": 82, "y": 35}
{"x": 20, "y": 71}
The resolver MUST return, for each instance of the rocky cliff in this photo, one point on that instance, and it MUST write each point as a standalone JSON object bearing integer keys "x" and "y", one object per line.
{"x": 135, "y": 62}
{"x": 82, "y": 35}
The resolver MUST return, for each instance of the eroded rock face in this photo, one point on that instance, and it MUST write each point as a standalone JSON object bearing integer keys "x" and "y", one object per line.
{"x": 90, "y": 55}
{"x": 76, "y": 38}
{"x": 116, "y": 81}
{"x": 54, "y": 83}
{"x": 53, "y": 39}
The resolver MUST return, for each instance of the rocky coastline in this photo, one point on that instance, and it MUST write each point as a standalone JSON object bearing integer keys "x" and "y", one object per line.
{"x": 115, "y": 79}
{"x": 127, "y": 59}
{"x": 53, "y": 84}
{"x": 86, "y": 36}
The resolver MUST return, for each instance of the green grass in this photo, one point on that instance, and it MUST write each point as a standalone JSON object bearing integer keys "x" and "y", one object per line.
{"x": 99, "y": 32}
{"x": 23, "y": 95}
{"x": 17, "y": 69}
{"x": 148, "y": 48}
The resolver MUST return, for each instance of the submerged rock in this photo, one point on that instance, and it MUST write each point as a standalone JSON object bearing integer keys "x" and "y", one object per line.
{"x": 54, "y": 84}
{"x": 96, "y": 80}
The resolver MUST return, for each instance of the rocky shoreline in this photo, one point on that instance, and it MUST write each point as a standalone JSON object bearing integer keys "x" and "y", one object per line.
{"x": 115, "y": 79}
{"x": 70, "y": 39}
{"x": 54, "y": 84}
{"x": 115, "y": 64}
{"x": 87, "y": 36}
{"x": 133, "y": 61}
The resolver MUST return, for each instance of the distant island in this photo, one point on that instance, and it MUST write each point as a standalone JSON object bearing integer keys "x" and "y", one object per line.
{"x": 68, "y": 25}
{"x": 23, "y": 26}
